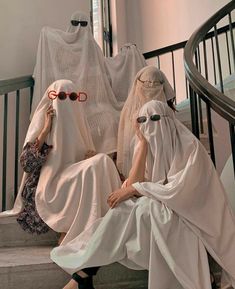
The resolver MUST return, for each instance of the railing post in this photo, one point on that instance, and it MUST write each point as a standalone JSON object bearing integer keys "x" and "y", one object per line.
{"x": 210, "y": 133}
{"x": 4, "y": 158}
{"x": 198, "y": 65}
{"x": 218, "y": 60}
{"x": 232, "y": 137}
{"x": 158, "y": 62}
{"x": 16, "y": 141}
{"x": 232, "y": 39}
{"x": 194, "y": 112}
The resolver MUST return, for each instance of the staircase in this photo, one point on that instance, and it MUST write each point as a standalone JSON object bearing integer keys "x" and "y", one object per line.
{"x": 25, "y": 263}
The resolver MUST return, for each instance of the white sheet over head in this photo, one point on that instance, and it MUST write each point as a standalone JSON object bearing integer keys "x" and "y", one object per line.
{"x": 123, "y": 68}
{"x": 166, "y": 230}
{"x": 72, "y": 191}
{"x": 77, "y": 16}
{"x": 76, "y": 56}
{"x": 150, "y": 83}
{"x": 181, "y": 175}
{"x": 63, "y": 134}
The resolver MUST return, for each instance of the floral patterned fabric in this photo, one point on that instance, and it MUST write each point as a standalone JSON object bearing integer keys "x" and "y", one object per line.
{"x": 32, "y": 160}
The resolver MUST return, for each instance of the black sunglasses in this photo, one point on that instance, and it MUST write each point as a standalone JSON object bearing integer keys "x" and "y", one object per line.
{"x": 76, "y": 23}
{"x": 154, "y": 117}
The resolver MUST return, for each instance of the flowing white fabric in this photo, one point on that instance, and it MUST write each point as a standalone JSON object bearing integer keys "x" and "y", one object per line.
{"x": 227, "y": 178}
{"x": 123, "y": 68}
{"x": 150, "y": 83}
{"x": 183, "y": 211}
{"x": 71, "y": 192}
{"x": 141, "y": 234}
{"x": 193, "y": 188}
{"x": 76, "y": 56}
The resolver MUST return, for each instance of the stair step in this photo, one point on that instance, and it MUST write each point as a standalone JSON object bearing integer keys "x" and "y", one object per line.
{"x": 12, "y": 235}
{"x": 32, "y": 268}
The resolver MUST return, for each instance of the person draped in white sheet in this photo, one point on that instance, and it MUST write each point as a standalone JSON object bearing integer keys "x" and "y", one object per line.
{"x": 171, "y": 209}
{"x": 149, "y": 83}
{"x": 70, "y": 189}
{"x": 122, "y": 69}
{"x": 75, "y": 55}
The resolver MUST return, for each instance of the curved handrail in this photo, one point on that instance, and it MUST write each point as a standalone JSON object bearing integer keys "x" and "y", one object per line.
{"x": 13, "y": 84}
{"x": 222, "y": 104}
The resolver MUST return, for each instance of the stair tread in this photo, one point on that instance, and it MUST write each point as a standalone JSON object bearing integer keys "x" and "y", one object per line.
{"x": 23, "y": 256}
{"x": 9, "y": 229}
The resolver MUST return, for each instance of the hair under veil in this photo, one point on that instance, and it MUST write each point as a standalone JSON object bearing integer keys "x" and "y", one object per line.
{"x": 150, "y": 83}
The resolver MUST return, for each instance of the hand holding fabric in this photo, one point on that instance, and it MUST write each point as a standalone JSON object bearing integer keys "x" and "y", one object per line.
{"x": 139, "y": 134}
{"x": 121, "y": 195}
{"x": 50, "y": 112}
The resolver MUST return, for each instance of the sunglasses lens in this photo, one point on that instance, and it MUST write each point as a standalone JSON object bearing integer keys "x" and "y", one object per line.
{"x": 62, "y": 95}
{"x": 73, "y": 96}
{"x": 77, "y": 22}
{"x": 141, "y": 119}
{"x": 83, "y": 23}
{"x": 74, "y": 22}
{"x": 155, "y": 117}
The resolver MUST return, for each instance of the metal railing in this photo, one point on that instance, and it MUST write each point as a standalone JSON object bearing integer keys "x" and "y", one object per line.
{"x": 168, "y": 51}
{"x": 6, "y": 88}
{"x": 200, "y": 87}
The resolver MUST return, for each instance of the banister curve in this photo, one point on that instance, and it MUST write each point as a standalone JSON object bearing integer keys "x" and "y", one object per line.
{"x": 222, "y": 104}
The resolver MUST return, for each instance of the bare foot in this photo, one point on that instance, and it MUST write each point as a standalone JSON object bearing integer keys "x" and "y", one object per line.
{"x": 62, "y": 235}
{"x": 71, "y": 285}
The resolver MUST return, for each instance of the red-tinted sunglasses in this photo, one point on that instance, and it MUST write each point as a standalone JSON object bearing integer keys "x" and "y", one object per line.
{"x": 81, "y": 96}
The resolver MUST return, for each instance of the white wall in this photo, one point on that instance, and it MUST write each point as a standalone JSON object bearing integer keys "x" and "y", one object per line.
{"x": 119, "y": 24}
{"x": 152, "y": 24}
{"x": 20, "y": 26}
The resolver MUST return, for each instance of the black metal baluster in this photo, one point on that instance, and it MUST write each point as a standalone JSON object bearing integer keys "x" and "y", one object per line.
{"x": 158, "y": 62}
{"x": 186, "y": 85}
{"x": 228, "y": 51}
{"x": 173, "y": 72}
{"x": 232, "y": 137}
{"x": 31, "y": 97}
{"x": 173, "y": 69}
{"x": 210, "y": 133}
{"x": 218, "y": 59}
{"x": 213, "y": 60}
{"x": 232, "y": 39}
{"x": 199, "y": 59}
{"x": 194, "y": 112}
{"x": 199, "y": 99}
{"x": 4, "y": 157}
{"x": 17, "y": 114}
{"x": 205, "y": 59}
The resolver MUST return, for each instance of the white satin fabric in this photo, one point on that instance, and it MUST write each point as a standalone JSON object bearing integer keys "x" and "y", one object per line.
{"x": 71, "y": 192}
{"x": 150, "y": 83}
{"x": 183, "y": 212}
